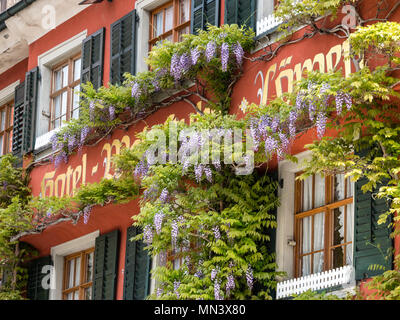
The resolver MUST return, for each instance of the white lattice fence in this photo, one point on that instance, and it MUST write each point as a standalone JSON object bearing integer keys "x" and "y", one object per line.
{"x": 314, "y": 282}
{"x": 267, "y": 23}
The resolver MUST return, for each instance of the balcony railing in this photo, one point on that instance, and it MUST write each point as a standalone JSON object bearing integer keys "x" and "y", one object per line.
{"x": 267, "y": 23}
{"x": 317, "y": 281}
{"x": 6, "y": 4}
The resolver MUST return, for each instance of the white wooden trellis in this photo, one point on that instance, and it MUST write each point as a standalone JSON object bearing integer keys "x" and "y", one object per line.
{"x": 267, "y": 23}
{"x": 314, "y": 282}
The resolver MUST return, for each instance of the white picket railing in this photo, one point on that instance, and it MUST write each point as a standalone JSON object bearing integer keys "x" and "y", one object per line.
{"x": 315, "y": 281}
{"x": 267, "y": 23}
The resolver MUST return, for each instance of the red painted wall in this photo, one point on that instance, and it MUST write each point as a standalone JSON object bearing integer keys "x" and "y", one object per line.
{"x": 15, "y": 73}
{"x": 112, "y": 217}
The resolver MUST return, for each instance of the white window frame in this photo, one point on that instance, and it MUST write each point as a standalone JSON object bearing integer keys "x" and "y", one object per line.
{"x": 46, "y": 62}
{"x": 59, "y": 252}
{"x": 285, "y": 214}
{"x": 143, "y": 10}
{"x": 7, "y": 93}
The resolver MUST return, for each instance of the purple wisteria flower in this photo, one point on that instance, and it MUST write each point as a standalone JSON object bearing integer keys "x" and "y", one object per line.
{"x": 111, "y": 112}
{"x": 185, "y": 62}
{"x": 148, "y": 234}
{"x": 292, "y": 123}
{"x": 86, "y": 214}
{"x": 214, "y": 273}
{"x": 175, "y": 69}
{"x": 210, "y": 50}
{"x": 195, "y": 55}
{"x": 238, "y": 52}
{"x": 71, "y": 143}
{"x": 208, "y": 172}
{"x": 164, "y": 196}
{"x": 54, "y": 142}
{"x": 84, "y": 133}
{"x": 158, "y": 220}
{"x": 198, "y": 171}
{"x": 177, "y": 284}
{"x": 135, "y": 91}
{"x": 49, "y": 213}
{"x": 217, "y": 233}
{"x": 270, "y": 145}
{"x": 224, "y": 56}
{"x": 91, "y": 110}
{"x": 217, "y": 290}
{"x": 230, "y": 284}
{"x": 141, "y": 169}
{"x": 174, "y": 232}
{"x": 249, "y": 277}
{"x": 159, "y": 292}
{"x": 321, "y": 124}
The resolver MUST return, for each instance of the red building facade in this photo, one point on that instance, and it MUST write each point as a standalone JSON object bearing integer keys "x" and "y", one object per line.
{"x": 55, "y": 56}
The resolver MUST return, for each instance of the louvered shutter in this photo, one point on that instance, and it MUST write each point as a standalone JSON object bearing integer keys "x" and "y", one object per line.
{"x": 18, "y": 130}
{"x": 36, "y": 273}
{"x": 123, "y": 47}
{"x": 105, "y": 266}
{"x": 241, "y": 12}
{"x": 137, "y": 268}
{"x": 203, "y": 12}
{"x": 92, "y": 59}
{"x": 25, "y": 105}
{"x": 371, "y": 240}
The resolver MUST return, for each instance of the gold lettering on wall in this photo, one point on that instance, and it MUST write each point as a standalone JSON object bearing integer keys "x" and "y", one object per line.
{"x": 68, "y": 182}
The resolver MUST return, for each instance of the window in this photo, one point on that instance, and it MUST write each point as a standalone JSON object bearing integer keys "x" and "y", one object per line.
{"x": 323, "y": 223}
{"x": 65, "y": 82}
{"x": 78, "y": 275}
{"x": 170, "y": 22}
{"x": 6, "y": 128}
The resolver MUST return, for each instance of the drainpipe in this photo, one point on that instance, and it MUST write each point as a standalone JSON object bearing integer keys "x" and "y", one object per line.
{"x": 12, "y": 11}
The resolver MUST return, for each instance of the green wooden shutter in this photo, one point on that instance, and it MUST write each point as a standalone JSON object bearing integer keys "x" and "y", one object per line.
{"x": 35, "y": 290}
{"x": 241, "y": 12}
{"x": 18, "y": 129}
{"x": 203, "y": 12}
{"x": 123, "y": 47}
{"x": 92, "y": 59}
{"x": 371, "y": 240}
{"x": 105, "y": 266}
{"x": 137, "y": 268}
{"x": 25, "y": 105}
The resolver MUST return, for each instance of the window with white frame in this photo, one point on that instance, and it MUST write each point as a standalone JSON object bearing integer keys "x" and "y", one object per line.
{"x": 323, "y": 227}
{"x": 60, "y": 81}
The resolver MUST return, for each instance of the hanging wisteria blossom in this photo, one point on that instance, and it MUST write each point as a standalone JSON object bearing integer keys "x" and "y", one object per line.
{"x": 86, "y": 214}
{"x": 249, "y": 277}
{"x": 230, "y": 284}
{"x": 210, "y": 50}
{"x": 224, "y": 56}
{"x": 158, "y": 220}
{"x": 147, "y": 234}
{"x": 177, "y": 284}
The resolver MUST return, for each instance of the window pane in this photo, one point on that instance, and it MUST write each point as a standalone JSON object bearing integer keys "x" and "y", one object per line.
{"x": 10, "y": 136}
{"x": 184, "y": 11}
{"x": 349, "y": 254}
{"x": 78, "y": 272}
{"x": 318, "y": 262}
{"x": 57, "y": 106}
{"x": 338, "y": 187}
{"x": 319, "y": 228}
{"x": 77, "y": 69}
{"x": 307, "y": 194}
{"x": 350, "y": 188}
{"x": 306, "y": 265}
{"x": 75, "y": 102}
{"x": 88, "y": 293}
{"x": 65, "y": 76}
{"x": 169, "y": 18}
{"x": 158, "y": 24}
{"x": 338, "y": 225}
{"x": 76, "y": 295}
{"x": 89, "y": 267}
{"x": 319, "y": 191}
{"x": 64, "y": 103}
{"x": 307, "y": 230}
{"x": 70, "y": 296}
{"x": 337, "y": 257}
{"x": 11, "y": 117}
{"x": 57, "y": 80}
{"x": 264, "y": 8}
{"x": 185, "y": 30}
{"x": 1, "y": 144}
{"x": 349, "y": 222}
{"x": 3, "y": 120}
{"x": 71, "y": 269}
